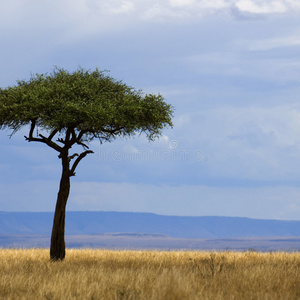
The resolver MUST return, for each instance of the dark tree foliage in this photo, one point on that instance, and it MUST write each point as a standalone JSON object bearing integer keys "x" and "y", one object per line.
{"x": 75, "y": 108}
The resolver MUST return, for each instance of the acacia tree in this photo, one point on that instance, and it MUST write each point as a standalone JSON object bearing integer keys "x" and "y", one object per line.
{"x": 73, "y": 109}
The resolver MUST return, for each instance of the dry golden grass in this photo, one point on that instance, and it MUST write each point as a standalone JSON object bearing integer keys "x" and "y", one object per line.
{"x": 104, "y": 274}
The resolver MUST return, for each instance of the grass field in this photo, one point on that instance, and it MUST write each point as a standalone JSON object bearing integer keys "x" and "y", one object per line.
{"x": 104, "y": 274}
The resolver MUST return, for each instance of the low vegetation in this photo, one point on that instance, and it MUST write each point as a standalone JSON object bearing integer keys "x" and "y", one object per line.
{"x": 105, "y": 274}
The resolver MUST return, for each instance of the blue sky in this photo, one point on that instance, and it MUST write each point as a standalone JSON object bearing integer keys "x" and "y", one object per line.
{"x": 230, "y": 68}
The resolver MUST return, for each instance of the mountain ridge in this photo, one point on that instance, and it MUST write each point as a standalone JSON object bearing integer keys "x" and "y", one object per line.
{"x": 99, "y": 223}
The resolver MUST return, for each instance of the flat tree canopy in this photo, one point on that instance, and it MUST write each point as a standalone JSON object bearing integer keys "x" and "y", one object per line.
{"x": 91, "y": 103}
{"x": 74, "y": 108}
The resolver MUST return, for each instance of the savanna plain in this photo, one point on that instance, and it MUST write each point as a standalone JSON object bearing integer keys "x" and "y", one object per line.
{"x": 106, "y": 274}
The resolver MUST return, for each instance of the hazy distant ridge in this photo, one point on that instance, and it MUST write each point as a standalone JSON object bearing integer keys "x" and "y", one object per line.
{"x": 92, "y": 223}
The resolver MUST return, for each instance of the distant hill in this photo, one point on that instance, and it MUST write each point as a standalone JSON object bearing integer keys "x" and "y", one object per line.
{"x": 99, "y": 223}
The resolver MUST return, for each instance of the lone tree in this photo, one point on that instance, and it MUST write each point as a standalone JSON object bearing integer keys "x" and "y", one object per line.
{"x": 75, "y": 108}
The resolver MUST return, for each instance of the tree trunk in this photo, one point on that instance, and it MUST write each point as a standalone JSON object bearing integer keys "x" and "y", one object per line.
{"x": 58, "y": 246}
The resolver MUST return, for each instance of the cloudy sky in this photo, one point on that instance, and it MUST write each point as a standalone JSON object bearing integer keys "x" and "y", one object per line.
{"x": 231, "y": 69}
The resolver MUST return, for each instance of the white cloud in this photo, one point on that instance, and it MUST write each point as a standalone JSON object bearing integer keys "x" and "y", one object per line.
{"x": 293, "y": 4}
{"x": 181, "y": 3}
{"x": 99, "y": 16}
{"x": 122, "y": 8}
{"x": 112, "y": 7}
{"x": 217, "y": 5}
{"x": 261, "y": 7}
{"x": 249, "y": 143}
{"x": 161, "y": 13}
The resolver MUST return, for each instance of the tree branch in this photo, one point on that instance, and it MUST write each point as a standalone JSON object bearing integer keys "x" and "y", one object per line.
{"x": 72, "y": 156}
{"x": 32, "y": 126}
{"x": 50, "y": 143}
{"x": 73, "y": 134}
{"x": 77, "y": 139}
{"x": 81, "y": 133}
{"x": 33, "y": 122}
{"x": 53, "y": 133}
{"x": 61, "y": 140}
{"x": 42, "y": 138}
{"x": 67, "y": 139}
{"x": 30, "y": 138}
{"x": 83, "y": 144}
{"x": 78, "y": 159}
